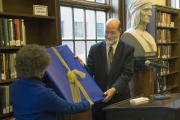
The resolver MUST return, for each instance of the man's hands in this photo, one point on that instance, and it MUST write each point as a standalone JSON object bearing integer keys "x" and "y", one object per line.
{"x": 91, "y": 103}
{"x": 109, "y": 93}
{"x": 80, "y": 60}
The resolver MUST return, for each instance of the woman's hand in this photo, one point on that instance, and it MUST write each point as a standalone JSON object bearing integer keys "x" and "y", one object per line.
{"x": 91, "y": 103}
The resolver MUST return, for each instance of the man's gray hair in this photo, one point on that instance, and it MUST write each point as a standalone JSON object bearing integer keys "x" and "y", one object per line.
{"x": 133, "y": 12}
{"x": 31, "y": 60}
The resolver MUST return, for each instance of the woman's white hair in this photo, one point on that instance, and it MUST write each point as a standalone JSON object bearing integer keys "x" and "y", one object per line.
{"x": 133, "y": 12}
{"x": 31, "y": 60}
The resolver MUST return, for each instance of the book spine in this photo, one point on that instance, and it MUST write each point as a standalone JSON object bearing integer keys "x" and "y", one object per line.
{"x": 18, "y": 41}
{"x": 4, "y": 66}
{"x": 12, "y": 33}
{"x": 15, "y": 31}
{"x": 10, "y": 102}
{"x": 5, "y": 29}
{"x": 1, "y": 33}
{"x": 23, "y": 33}
{"x": 9, "y": 67}
{"x": 165, "y": 32}
{"x": 7, "y": 99}
{"x": 162, "y": 51}
{"x": 14, "y": 70}
{"x": 0, "y": 67}
{"x": 1, "y": 105}
{"x": 159, "y": 50}
{"x": 9, "y": 32}
{"x": 12, "y": 67}
{"x": 160, "y": 18}
{"x": 167, "y": 19}
{"x": 157, "y": 36}
{"x": 3, "y": 100}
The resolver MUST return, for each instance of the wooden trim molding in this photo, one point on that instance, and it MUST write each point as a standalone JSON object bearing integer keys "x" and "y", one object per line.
{"x": 165, "y": 8}
{"x": 86, "y": 4}
{"x": 168, "y": 3}
{"x": 123, "y": 15}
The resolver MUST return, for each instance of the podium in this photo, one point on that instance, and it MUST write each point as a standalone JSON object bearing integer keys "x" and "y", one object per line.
{"x": 144, "y": 78}
{"x": 168, "y": 109}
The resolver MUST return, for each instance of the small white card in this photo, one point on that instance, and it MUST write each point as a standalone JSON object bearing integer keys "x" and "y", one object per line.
{"x": 139, "y": 100}
{"x": 40, "y": 10}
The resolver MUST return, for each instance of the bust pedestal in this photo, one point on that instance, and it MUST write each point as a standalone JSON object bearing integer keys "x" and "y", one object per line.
{"x": 142, "y": 81}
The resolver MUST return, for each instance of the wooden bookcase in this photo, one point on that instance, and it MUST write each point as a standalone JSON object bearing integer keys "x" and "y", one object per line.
{"x": 42, "y": 30}
{"x": 152, "y": 28}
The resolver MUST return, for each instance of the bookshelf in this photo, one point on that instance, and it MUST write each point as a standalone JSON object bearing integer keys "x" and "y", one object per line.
{"x": 43, "y": 30}
{"x": 163, "y": 39}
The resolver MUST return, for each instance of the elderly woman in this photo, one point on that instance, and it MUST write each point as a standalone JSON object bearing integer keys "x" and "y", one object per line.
{"x": 138, "y": 16}
{"x": 30, "y": 98}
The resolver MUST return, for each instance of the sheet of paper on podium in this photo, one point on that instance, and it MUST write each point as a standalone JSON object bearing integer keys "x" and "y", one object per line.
{"x": 56, "y": 72}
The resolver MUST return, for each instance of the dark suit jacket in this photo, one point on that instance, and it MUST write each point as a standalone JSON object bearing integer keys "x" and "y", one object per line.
{"x": 120, "y": 73}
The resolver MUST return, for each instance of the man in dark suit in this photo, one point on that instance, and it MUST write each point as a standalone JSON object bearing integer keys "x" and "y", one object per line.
{"x": 110, "y": 63}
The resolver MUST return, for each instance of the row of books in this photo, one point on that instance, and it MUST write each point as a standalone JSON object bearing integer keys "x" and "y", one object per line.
{"x": 12, "y": 32}
{"x": 7, "y": 61}
{"x": 165, "y": 71}
{"x": 164, "y": 19}
{"x": 164, "y": 51}
{"x": 163, "y": 36}
{"x": 9, "y": 118}
{"x": 5, "y": 101}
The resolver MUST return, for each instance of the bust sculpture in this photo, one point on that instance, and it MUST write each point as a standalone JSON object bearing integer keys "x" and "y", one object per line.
{"x": 138, "y": 16}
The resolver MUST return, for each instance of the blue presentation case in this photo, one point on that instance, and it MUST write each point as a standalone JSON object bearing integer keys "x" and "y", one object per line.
{"x": 56, "y": 72}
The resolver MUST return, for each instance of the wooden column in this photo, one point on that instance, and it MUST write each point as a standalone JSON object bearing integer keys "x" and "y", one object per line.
{"x": 142, "y": 83}
{"x": 78, "y": 116}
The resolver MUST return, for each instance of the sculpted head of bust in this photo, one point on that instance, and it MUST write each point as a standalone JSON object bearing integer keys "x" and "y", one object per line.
{"x": 138, "y": 13}
{"x": 138, "y": 16}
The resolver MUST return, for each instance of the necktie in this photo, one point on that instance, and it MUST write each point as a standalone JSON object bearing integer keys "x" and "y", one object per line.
{"x": 110, "y": 57}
